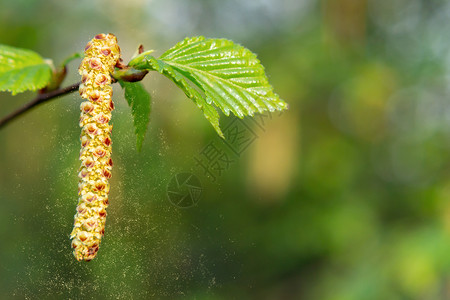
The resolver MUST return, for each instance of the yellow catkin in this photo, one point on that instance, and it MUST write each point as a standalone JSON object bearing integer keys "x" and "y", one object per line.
{"x": 101, "y": 55}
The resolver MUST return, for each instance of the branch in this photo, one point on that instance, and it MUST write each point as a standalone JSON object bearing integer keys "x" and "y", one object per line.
{"x": 41, "y": 98}
{"x": 125, "y": 74}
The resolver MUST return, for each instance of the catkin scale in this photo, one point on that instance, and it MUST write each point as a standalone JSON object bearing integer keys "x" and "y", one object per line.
{"x": 101, "y": 55}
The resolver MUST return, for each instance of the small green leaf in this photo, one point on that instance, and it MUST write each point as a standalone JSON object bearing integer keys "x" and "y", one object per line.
{"x": 140, "y": 102}
{"x": 22, "y": 69}
{"x": 216, "y": 71}
{"x": 72, "y": 57}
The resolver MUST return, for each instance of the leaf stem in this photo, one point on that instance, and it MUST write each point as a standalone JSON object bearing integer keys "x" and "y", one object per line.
{"x": 127, "y": 74}
{"x": 40, "y": 98}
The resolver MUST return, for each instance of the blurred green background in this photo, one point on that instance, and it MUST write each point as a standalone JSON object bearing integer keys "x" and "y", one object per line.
{"x": 344, "y": 196}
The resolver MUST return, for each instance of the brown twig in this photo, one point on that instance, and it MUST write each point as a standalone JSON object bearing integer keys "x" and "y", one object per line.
{"x": 40, "y": 98}
{"x": 125, "y": 74}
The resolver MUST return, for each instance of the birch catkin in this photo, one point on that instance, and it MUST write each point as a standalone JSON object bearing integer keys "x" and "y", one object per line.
{"x": 101, "y": 55}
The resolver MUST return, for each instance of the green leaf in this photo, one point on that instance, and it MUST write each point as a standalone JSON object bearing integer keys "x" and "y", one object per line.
{"x": 140, "y": 102}
{"x": 74, "y": 56}
{"x": 216, "y": 71}
{"x": 22, "y": 70}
